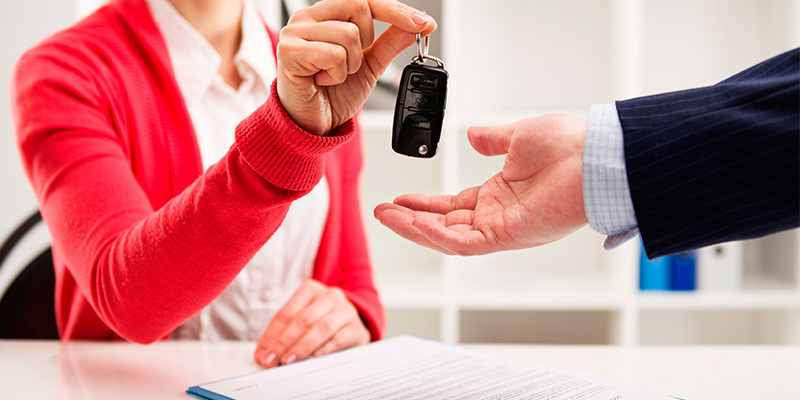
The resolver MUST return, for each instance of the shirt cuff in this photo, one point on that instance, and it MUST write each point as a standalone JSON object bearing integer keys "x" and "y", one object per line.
{"x": 606, "y": 194}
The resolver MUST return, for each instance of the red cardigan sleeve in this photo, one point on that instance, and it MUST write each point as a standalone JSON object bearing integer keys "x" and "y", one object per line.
{"x": 144, "y": 270}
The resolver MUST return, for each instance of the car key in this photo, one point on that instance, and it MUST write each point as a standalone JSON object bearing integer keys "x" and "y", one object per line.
{"x": 419, "y": 110}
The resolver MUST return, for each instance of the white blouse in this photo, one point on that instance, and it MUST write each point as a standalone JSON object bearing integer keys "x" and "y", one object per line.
{"x": 243, "y": 311}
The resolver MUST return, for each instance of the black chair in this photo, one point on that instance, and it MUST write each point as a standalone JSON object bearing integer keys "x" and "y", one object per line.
{"x": 27, "y": 308}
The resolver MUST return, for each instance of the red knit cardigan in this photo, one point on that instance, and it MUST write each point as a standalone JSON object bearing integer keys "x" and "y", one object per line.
{"x": 142, "y": 238}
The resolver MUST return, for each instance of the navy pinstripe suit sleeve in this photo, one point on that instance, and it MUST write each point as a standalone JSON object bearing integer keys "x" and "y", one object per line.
{"x": 717, "y": 163}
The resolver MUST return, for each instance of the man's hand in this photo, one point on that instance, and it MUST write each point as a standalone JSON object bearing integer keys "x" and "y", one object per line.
{"x": 317, "y": 320}
{"x": 537, "y": 198}
{"x": 328, "y": 63}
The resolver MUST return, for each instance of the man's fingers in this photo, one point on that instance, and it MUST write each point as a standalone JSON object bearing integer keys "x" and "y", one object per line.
{"x": 440, "y": 204}
{"x": 400, "y": 220}
{"x": 414, "y": 201}
{"x": 459, "y": 217}
{"x": 450, "y": 234}
{"x": 436, "y": 222}
{"x": 380, "y": 208}
{"x": 459, "y": 239}
{"x": 491, "y": 140}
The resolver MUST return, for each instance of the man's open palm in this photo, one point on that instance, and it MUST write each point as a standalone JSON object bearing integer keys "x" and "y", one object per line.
{"x": 537, "y": 198}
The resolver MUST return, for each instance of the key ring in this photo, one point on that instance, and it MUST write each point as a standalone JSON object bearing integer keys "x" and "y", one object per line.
{"x": 422, "y": 52}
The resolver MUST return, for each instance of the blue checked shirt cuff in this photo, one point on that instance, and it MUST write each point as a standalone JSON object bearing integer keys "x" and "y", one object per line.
{"x": 606, "y": 194}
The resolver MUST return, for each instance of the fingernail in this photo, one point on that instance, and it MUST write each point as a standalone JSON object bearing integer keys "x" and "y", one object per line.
{"x": 419, "y": 18}
{"x": 268, "y": 359}
{"x": 290, "y": 359}
{"x": 260, "y": 356}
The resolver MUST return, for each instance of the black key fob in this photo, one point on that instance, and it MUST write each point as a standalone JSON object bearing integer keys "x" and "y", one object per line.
{"x": 419, "y": 111}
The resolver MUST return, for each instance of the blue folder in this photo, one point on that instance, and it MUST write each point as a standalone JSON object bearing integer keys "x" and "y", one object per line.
{"x": 684, "y": 270}
{"x": 201, "y": 393}
{"x": 655, "y": 274}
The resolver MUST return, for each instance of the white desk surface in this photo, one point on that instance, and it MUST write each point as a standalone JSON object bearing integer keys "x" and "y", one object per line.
{"x": 104, "y": 370}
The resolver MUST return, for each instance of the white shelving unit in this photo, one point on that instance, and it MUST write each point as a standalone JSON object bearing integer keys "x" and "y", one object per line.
{"x": 509, "y": 60}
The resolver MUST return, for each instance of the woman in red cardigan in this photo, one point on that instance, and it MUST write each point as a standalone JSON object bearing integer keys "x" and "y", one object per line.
{"x": 185, "y": 195}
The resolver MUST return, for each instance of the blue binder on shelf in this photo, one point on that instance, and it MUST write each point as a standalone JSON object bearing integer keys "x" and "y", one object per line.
{"x": 655, "y": 274}
{"x": 684, "y": 270}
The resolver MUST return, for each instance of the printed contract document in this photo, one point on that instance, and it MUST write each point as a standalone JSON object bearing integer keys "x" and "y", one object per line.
{"x": 407, "y": 367}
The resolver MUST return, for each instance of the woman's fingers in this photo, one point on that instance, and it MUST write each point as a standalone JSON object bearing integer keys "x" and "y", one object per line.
{"x": 317, "y": 318}
{"x": 329, "y": 330}
{"x": 336, "y": 33}
{"x": 328, "y": 63}
{"x": 273, "y": 343}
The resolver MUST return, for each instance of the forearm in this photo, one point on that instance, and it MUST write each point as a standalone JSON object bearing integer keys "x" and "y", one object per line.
{"x": 700, "y": 166}
{"x": 145, "y": 271}
{"x": 717, "y": 163}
